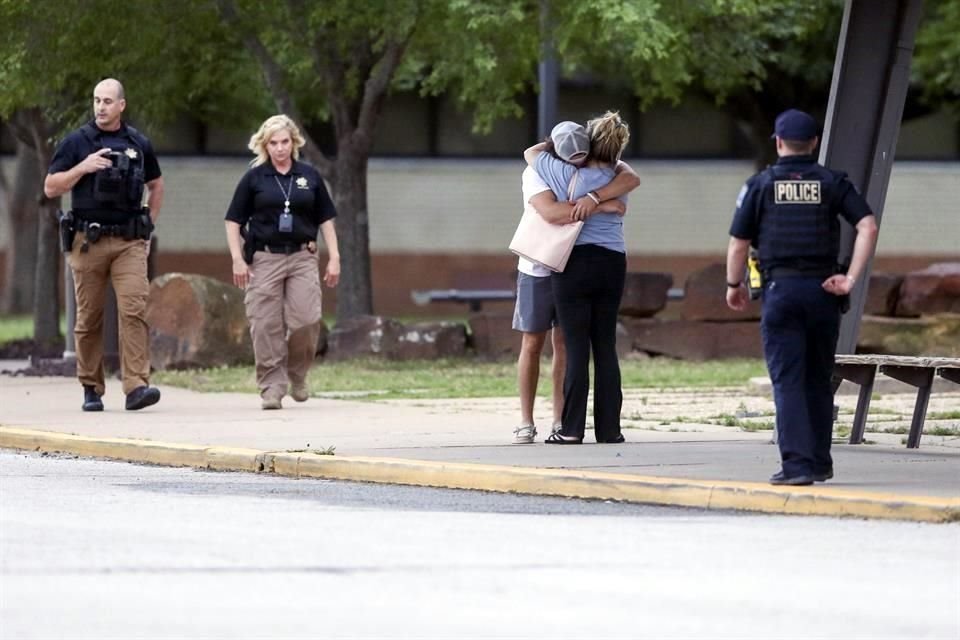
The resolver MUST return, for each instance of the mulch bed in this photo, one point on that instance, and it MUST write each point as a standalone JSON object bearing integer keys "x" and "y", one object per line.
{"x": 45, "y": 358}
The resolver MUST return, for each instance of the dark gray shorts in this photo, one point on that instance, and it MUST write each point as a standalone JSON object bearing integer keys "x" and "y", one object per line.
{"x": 534, "y": 311}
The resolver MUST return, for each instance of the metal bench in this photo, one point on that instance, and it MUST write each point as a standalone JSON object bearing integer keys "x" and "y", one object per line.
{"x": 916, "y": 371}
{"x": 472, "y": 297}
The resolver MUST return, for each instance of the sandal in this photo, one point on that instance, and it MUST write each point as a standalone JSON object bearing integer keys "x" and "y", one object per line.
{"x": 558, "y": 438}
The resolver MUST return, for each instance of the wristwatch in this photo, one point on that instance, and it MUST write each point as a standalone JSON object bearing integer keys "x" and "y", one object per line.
{"x": 731, "y": 285}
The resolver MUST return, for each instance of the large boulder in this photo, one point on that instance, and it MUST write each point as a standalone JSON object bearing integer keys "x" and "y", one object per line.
{"x": 691, "y": 340}
{"x": 429, "y": 341}
{"x": 937, "y": 335}
{"x": 882, "y": 294}
{"x": 935, "y": 289}
{"x": 196, "y": 322}
{"x": 645, "y": 294}
{"x": 363, "y": 336}
{"x": 492, "y": 335}
{"x": 705, "y": 297}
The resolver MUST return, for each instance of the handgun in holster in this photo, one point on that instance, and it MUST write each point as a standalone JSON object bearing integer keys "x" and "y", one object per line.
{"x": 754, "y": 275}
{"x": 248, "y": 245}
{"x": 67, "y": 229}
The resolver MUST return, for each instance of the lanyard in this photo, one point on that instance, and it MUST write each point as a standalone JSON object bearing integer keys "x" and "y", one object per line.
{"x": 286, "y": 194}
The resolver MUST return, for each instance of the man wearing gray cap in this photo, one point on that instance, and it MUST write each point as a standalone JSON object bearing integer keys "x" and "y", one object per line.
{"x": 789, "y": 213}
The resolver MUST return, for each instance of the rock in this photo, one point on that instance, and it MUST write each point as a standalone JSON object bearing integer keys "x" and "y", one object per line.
{"x": 196, "y": 322}
{"x": 363, "y": 336}
{"x": 937, "y": 335}
{"x": 705, "y": 297}
{"x": 624, "y": 341}
{"x": 492, "y": 335}
{"x": 692, "y": 340}
{"x": 882, "y": 294}
{"x": 935, "y": 289}
{"x": 429, "y": 341}
{"x": 645, "y": 294}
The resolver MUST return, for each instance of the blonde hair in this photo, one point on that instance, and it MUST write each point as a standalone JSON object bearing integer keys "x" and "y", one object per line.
{"x": 269, "y": 128}
{"x": 609, "y": 135}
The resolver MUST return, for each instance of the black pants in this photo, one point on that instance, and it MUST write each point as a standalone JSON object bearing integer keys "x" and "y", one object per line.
{"x": 800, "y": 326}
{"x": 587, "y": 295}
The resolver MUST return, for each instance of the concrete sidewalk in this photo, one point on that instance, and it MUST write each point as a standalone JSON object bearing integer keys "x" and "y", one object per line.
{"x": 465, "y": 443}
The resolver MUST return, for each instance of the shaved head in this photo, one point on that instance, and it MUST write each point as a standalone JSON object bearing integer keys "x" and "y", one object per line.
{"x": 111, "y": 86}
{"x": 108, "y": 104}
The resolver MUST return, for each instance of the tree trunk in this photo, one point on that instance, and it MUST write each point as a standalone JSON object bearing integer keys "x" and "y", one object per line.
{"x": 46, "y": 302}
{"x": 349, "y": 186}
{"x": 46, "y": 298}
{"x": 22, "y": 222}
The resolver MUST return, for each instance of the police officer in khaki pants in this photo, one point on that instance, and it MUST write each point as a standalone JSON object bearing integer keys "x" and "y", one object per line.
{"x": 106, "y": 164}
{"x": 277, "y": 209}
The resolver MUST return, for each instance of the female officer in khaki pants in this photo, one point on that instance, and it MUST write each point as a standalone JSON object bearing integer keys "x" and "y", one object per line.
{"x": 282, "y": 202}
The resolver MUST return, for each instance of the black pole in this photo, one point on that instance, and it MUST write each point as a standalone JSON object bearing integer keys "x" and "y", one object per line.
{"x": 547, "y": 75}
{"x": 870, "y": 79}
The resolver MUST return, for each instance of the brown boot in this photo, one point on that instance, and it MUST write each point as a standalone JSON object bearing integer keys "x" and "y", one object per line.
{"x": 272, "y": 398}
{"x": 300, "y": 392}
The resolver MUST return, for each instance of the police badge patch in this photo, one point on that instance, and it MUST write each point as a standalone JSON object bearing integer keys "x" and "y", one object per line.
{"x": 743, "y": 192}
{"x": 131, "y": 153}
{"x": 302, "y": 183}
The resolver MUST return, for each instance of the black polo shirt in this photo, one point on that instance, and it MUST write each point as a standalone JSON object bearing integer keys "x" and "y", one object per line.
{"x": 76, "y": 146}
{"x": 259, "y": 197}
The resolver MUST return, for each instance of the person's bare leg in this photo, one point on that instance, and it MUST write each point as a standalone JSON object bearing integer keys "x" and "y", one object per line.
{"x": 559, "y": 364}
{"x": 528, "y": 373}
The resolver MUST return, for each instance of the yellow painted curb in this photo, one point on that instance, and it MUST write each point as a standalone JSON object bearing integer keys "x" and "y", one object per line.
{"x": 717, "y": 495}
{"x": 148, "y": 451}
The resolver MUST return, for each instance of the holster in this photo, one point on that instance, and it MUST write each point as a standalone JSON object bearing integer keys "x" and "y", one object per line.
{"x": 67, "y": 229}
{"x": 140, "y": 227}
{"x": 249, "y": 246}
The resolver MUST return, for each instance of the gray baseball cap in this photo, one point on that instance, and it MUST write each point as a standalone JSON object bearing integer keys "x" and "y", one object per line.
{"x": 570, "y": 139}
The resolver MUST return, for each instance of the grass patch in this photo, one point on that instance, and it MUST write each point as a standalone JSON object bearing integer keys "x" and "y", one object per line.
{"x": 15, "y": 328}
{"x": 19, "y": 327}
{"x": 374, "y": 378}
{"x": 943, "y": 415}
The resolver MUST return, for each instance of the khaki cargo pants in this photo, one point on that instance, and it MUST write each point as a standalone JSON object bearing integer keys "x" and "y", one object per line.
{"x": 124, "y": 262}
{"x": 283, "y": 309}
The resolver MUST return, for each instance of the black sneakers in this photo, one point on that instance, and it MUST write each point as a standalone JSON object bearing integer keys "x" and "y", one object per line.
{"x": 142, "y": 397}
{"x": 794, "y": 481}
{"x": 91, "y": 401}
{"x": 823, "y": 476}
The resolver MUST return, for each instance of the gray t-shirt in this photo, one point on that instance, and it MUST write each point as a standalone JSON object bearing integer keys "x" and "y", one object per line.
{"x": 604, "y": 229}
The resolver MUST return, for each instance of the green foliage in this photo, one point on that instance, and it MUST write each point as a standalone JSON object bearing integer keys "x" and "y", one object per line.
{"x": 171, "y": 56}
{"x": 936, "y": 64}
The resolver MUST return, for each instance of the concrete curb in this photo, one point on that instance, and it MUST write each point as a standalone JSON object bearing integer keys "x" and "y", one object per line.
{"x": 714, "y": 495}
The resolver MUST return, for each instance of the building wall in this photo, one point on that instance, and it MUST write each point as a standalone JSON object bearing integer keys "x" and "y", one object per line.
{"x": 446, "y": 223}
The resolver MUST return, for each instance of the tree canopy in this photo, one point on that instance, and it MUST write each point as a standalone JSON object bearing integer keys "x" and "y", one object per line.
{"x": 336, "y": 62}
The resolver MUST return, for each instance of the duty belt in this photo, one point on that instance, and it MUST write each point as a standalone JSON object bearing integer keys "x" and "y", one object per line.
{"x": 94, "y": 230}
{"x": 285, "y": 249}
{"x": 789, "y": 272}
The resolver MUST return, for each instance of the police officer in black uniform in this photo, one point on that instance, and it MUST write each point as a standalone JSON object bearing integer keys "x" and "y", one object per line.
{"x": 788, "y": 212}
{"x": 107, "y": 165}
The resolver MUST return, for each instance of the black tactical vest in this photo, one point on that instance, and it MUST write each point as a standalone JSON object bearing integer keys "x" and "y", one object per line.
{"x": 120, "y": 186}
{"x": 799, "y": 228}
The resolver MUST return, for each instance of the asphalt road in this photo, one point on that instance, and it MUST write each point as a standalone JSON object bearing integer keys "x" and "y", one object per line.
{"x": 94, "y": 549}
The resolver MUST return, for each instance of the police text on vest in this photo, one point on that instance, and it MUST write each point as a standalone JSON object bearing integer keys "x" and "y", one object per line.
{"x": 796, "y": 191}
